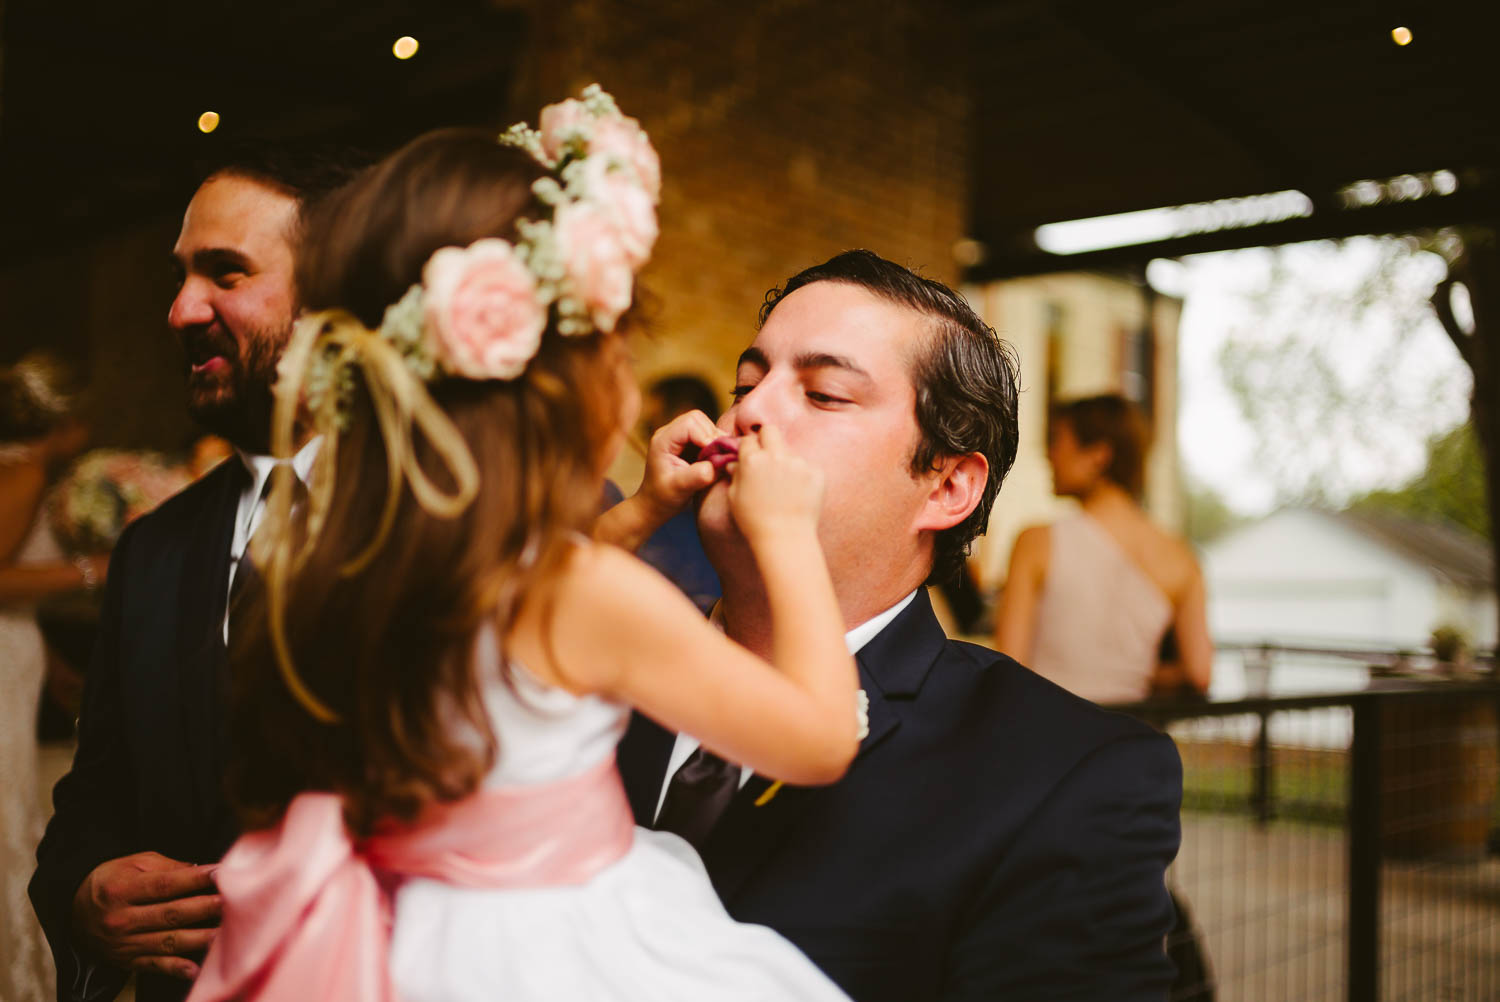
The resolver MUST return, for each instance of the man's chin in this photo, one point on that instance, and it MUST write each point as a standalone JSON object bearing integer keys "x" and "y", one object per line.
{"x": 224, "y": 414}
{"x": 212, "y": 403}
{"x": 716, "y": 526}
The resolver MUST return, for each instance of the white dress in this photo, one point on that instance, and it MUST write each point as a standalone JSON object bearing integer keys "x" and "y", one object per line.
{"x": 648, "y": 927}
{"x": 25, "y": 964}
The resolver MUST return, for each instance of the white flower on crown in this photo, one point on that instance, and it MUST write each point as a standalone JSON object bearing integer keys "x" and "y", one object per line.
{"x": 563, "y": 128}
{"x": 404, "y": 325}
{"x": 483, "y": 314}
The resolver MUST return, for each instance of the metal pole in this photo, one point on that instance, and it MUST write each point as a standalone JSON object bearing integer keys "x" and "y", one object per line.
{"x": 1364, "y": 852}
{"x": 1260, "y": 795}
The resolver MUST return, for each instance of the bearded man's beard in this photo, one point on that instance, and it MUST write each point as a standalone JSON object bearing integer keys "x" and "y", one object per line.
{"x": 235, "y": 400}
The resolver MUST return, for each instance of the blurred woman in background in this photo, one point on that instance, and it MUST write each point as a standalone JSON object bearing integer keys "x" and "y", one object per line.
{"x": 38, "y": 436}
{"x": 1089, "y": 599}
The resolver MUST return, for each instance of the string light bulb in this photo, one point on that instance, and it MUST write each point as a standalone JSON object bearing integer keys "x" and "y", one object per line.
{"x": 1401, "y": 36}
{"x": 208, "y": 121}
{"x": 405, "y": 47}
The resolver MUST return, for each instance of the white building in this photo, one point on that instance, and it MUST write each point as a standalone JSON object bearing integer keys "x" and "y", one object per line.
{"x": 1301, "y": 577}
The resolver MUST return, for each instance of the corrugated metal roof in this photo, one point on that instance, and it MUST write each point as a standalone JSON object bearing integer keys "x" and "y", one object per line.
{"x": 1455, "y": 554}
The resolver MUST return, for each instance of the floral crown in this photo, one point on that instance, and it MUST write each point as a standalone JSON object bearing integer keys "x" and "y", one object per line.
{"x": 479, "y": 313}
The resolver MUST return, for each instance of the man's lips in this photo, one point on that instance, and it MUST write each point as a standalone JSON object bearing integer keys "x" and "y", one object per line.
{"x": 720, "y": 452}
{"x": 212, "y": 365}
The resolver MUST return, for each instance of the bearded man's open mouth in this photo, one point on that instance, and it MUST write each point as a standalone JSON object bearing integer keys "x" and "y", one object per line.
{"x": 208, "y": 356}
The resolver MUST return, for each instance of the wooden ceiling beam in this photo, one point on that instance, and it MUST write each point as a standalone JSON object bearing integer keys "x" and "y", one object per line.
{"x": 1478, "y": 204}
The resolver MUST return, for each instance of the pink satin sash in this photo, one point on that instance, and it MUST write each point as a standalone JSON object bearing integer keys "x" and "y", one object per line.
{"x": 307, "y": 912}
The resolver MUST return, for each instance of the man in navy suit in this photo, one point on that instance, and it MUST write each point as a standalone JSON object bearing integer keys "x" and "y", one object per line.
{"x": 996, "y": 837}
{"x": 124, "y": 876}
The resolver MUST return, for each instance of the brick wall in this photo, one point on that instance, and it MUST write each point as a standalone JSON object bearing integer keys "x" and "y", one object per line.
{"x": 103, "y": 306}
{"x": 788, "y": 131}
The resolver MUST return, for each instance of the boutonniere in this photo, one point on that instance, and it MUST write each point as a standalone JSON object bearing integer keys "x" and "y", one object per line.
{"x": 862, "y": 731}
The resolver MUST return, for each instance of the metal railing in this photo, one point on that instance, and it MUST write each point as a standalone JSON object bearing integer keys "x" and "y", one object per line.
{"x": 1337, "y": 845}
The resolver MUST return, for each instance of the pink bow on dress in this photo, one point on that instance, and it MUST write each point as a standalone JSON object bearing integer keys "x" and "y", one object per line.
{"x": 307, "y": 911}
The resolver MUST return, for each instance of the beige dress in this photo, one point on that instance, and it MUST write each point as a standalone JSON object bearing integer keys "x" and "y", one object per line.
{"x": 1100, "y": 619}
{"x": 25, "y": 964}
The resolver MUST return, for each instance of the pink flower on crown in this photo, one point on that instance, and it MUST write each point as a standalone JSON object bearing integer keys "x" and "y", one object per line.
{"x": 622, "y": 139}
{"x": 627, "y": 206}
{"x": 596, "y": 262}
{"x": 482, "y": 310}
{"x": 560, "y": 123}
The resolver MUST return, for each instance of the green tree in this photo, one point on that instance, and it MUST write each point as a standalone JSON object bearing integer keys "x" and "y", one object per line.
{"x": 1451, "y": 488}
{"x": 1207, "y": 516}
{"x": 1339, "y": 366}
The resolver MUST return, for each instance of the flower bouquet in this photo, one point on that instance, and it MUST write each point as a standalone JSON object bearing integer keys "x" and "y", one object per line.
{"x": 105, "y": 491}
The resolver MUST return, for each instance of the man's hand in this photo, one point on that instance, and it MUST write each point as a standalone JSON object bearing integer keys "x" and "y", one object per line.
{"x": 138, "y": 913}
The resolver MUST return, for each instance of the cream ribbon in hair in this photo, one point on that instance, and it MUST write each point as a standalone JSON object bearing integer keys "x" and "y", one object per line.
{"x": 402, "y": 407}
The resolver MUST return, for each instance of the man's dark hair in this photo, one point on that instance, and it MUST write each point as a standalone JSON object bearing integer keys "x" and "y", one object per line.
{"x": 964, "y": 376}
{"x": 306, "y": 172}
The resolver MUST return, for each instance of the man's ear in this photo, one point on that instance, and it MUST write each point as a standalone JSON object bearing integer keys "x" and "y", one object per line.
{"x": 956, "y": 491}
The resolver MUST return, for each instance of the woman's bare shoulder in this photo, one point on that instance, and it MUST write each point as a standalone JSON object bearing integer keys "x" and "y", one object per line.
{"x": 1179, "y": 563}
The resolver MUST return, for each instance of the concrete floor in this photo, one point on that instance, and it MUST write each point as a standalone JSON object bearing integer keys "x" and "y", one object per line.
{"x": 1271, "y": 905}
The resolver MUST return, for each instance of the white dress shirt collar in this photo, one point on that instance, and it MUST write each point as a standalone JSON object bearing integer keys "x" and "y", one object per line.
{"x": 856, "y": 638}
{"x": 251, "y": 506}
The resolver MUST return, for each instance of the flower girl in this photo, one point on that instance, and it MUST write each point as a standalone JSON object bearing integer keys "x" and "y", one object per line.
{"x": 430, "y": 685}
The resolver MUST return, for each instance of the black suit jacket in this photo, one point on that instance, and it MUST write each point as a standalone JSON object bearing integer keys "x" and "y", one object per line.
{"x": 151, "y": 748}
{"x": 996, "y": 837}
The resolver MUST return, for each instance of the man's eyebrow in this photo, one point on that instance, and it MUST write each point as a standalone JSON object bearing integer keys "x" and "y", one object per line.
{"x": 806, "y": 360}
{"x": 211, "y": 259}
{"x": 754, "y": 356}
{"x": 824, "y": 360}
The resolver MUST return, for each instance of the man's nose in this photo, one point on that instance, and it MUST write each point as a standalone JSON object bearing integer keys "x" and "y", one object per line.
{"x": 191, "y": 307}
{"x": 752, "y": 410}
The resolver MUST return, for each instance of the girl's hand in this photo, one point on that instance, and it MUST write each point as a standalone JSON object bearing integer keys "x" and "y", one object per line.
{"x": 671, "y": 481}
{"x": 773, "y": 492}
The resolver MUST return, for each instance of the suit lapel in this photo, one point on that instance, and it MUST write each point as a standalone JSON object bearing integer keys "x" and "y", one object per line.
{"x": 892, "y": 668}
{"x": 642, "y": 756}
{"x": 202, "y": 661}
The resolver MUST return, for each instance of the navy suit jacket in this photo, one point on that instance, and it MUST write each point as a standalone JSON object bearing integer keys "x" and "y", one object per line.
{"x": 996, "y": 837}
{"x": 148, "y": 772}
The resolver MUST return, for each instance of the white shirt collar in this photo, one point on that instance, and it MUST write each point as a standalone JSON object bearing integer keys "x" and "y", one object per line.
{"x": 260, "y": 467}
{"x": 870, "y": 628}
{"x": 250, "y": 508}
{"x": 856, "y": 638}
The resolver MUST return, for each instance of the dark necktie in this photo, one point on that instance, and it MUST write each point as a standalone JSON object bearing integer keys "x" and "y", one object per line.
{"x": 247, "y": 578}
{"x": 698, "y": 795}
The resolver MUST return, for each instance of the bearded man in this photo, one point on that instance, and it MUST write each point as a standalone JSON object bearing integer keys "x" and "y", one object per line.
{"x": 124, "y": 874}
